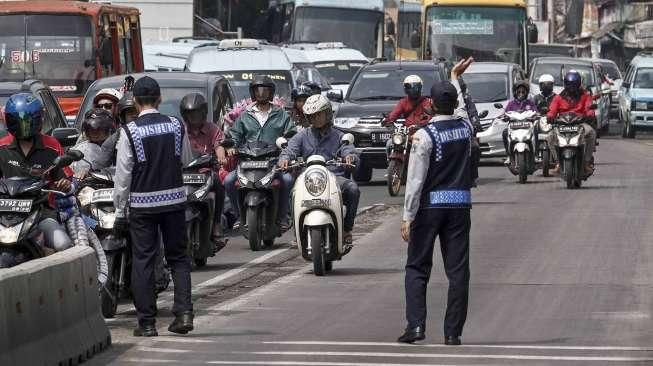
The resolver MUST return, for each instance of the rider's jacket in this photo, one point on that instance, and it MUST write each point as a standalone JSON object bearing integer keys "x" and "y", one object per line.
{"x": 414, "y": 114}
{"x": 564, "y": 104}
{"x": 542, "y": 100}
{"x": 153, "y": 161}
{"x": 516, "y": 105}
{"x": 439, "y": 168}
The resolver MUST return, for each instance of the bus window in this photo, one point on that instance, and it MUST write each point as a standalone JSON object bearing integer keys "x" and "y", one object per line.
{"x": 286, "y": 30}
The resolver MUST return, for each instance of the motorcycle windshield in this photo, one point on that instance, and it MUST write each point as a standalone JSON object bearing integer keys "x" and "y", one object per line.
{"x": 257, "y": 149}
{"x": 92, "y": 153}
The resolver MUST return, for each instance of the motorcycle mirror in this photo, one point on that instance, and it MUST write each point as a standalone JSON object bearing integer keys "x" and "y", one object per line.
{"x": 594, "y": 106}
{"x": 62, "y": 161}
{"x": 498, "y": 105}
{"x": 282, "y": 143}
{"x": 347, "y": 139}
{"x": 300, "y": 159}
{"x": 228, "y": 143}
{"x": 76, "y": 155}
{"x": 483, "y": 114}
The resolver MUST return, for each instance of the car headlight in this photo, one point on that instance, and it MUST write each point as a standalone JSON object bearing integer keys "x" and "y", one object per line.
{"x": 642, "y": 106}
{"x": 346, "y": 122}
{"x": 315, "y": 182}
{"x": 398, "y": 139}
{"x": 85, "y": 195}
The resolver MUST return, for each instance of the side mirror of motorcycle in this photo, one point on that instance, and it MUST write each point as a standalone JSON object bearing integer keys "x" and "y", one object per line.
{"x": 483, "y": 114}
{"x": 347, "y": 139}
{"x": 67, "y": 136}
{"x": 63, "y": 161}
{"x": 76, "y": 155}
{"x": 594, "y": 106}
{"x": 498, "y": 105}
{"x": 300, "y": 159}
{"x": 282, "y": 143}
{"x": 335, "y": 95}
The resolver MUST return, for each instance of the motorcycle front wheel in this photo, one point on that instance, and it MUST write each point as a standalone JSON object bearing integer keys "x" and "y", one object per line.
{"x": 109, "y": 292}
{"x": 523, "y": 167}
{"x": 254, "y": 230}
{"x": 395, "y": 172}
{"x": 570, "y": 173}
{"x": 317, "y": 247}
{"x": 546, "y": 162}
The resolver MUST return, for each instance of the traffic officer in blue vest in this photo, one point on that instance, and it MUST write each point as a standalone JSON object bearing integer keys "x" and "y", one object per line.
{"x": 148, "y": 182}
{"x": 437, "y": 203}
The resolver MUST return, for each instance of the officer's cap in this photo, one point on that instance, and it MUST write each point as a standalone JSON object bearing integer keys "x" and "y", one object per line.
{"x": 444, "y": 94}
{"x": 146, "y": 87}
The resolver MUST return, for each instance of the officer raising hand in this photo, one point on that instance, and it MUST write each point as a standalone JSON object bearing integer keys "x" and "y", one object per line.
{"x": 437, "y": 203}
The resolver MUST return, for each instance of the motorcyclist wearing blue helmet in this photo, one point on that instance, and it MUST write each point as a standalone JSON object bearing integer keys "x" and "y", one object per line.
{"x": 26, "y": 152}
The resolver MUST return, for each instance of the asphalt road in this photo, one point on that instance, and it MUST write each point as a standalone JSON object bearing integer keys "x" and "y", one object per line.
{"x": 559, "y": 277}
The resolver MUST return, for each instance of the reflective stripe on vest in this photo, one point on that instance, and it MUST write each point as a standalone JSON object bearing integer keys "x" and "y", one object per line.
{"x": 159, "y": 198}
{"x": 449, "y": 198}
{"x": 138, "y": 133}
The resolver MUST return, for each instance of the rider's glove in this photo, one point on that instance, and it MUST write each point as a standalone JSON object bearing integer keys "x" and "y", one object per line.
{"x": 120, "y": 226}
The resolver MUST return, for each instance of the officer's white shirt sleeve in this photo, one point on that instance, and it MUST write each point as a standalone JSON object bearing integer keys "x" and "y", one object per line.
{"x": 461, "y": 111}
{"x": 123, "y": 178}
{"x": 418, "y": 166}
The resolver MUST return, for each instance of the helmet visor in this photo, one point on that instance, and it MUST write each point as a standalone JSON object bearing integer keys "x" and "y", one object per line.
{"x": 413, "y": 90}
{"x": 22, "y": 126}
{"x": 263, "y": 93}
{"x": 195, "y": 117}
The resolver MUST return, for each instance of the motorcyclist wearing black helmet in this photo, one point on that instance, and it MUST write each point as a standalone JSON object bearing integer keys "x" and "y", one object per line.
{"x": 520, "y": 103}
{"x": 205, "y": 138}
{"x": 299, "y": 96}
{"x": 261, "y": 122}
{"x": 98, "y": 126}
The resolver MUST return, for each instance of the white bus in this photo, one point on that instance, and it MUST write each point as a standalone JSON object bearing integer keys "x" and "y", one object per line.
{"x": 358, "y": 24}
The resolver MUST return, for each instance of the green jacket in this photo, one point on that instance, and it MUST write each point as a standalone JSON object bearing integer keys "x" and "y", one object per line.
{"x": 247, "y": 129}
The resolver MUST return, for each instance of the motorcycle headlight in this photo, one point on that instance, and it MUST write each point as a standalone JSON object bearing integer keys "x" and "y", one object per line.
{"x": 267, "y": 178}
{"x": 562, "y": 142}
{"x": 574, "y": 140}
{"x": 346, "y": 122}
{"x": 105, "y": 219}
{"x": 85, "y": 195}
{"x": 242, "y": 178}
{"x": 398, "y": 139}
{"x": 10, "y": 235}
{"x": 315, "y": 182}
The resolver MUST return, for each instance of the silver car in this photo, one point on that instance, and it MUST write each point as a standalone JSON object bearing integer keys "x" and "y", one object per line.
{"x": 490, "y": 83}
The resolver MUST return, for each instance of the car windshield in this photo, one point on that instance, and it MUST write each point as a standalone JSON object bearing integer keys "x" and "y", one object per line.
{"x": 357, "y": 29}
{"x": 388, "y": 84}
{"x": 559, "y": 70}
{"x": 644, "y": 79}
{"x": 486, "y": 33}
{"x": 610, "y": 69}
{"x": 240, "y": 80}
{"x": 487, "y": 87}
{"x": 339, "y": 72}
{"x": 170, "y": 100}
{"x": 57, "y": 49}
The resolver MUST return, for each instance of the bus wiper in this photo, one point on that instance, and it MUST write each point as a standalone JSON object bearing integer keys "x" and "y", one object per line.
{"x": 378, "y": 97}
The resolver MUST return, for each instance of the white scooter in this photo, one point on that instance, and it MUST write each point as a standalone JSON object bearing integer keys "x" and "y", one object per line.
{"x": 521, "y": 129}
{"x": 318, "y": 212}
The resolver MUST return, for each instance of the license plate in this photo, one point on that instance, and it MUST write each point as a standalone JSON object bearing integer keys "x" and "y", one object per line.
{"x": 519, "y": 125}
{"x": 317, "y": 202}
{"x": 381, "y": 136}
{"x": 568, "y": 129}
{"x": 194, "y": 178}
{"x": 102, "y": 195}
{"x": 21, "y": 206}
{"x": 261, "y": 164}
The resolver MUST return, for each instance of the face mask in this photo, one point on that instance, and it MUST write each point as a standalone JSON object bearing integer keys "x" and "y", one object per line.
{"x": 546, "y": 89}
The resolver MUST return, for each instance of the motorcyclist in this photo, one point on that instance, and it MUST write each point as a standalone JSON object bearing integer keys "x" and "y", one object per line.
{"x": 321, "y": 138}
{"x": 205, "y": 138}
{"x": 575, "y": 99}
{"x": 299, "y": 96}
{"x": 108, "y": 99}
{"x": 126, "y": 112}
{"x": 98, "y": 125}
{"x": 544, "y": 98}
{"x": 261, "y": 121}
{"x": 26, "y": 152}
{"x": 520, "y": 103}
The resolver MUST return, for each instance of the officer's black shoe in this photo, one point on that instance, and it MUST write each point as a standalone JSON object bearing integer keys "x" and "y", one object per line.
{"x": 452, "y": 341}
{"x": 183, "y": 323}
{"x": 412, "y": 335}
{"x": 146, "y": 331}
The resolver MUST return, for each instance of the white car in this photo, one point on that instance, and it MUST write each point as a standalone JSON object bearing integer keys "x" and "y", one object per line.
{"x": 636, "y": 96}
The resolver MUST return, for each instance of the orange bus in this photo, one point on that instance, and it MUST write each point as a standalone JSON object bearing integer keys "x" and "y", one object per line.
{"x": 68, "y": 45}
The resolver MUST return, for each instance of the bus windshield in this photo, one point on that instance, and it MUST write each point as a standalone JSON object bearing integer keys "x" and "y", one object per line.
{"x": 486, "y": 33}
{"x": 57, "y": 49}
{"x": 357, "y": 29}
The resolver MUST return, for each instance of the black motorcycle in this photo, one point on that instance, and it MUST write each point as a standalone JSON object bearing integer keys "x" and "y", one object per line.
{"x": 22, "y": 201}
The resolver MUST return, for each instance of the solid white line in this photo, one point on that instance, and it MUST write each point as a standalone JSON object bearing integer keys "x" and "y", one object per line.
{"x": 148, "y": 360}
{"x": 161, "y": 350}
{"x": 390, "y": 344}
{"x": 180, "y": 340}
{"x": 454, "y": 355}
{"x": 306, "y": 363}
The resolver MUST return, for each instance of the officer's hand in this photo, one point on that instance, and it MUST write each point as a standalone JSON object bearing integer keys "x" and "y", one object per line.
{"x": 350, "y": 159}
{"x": 222, "y": 155}
{"x": 460, "y": 68}
{"x": 120, "y": 226}
{"x": 283, "y": 164}
{"x": 405, "y": 230}
{"x": 231, "y": 152}
{"x": 63, "y": 185}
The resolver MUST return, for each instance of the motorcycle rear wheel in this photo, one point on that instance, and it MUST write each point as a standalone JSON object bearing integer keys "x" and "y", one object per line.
{"x": 254, "y": 231}
{"x": 546, "y": 163}
{"x": 317, "y": 247}
{"x": 109, "y": 293}
{"x": 395, "y": 172}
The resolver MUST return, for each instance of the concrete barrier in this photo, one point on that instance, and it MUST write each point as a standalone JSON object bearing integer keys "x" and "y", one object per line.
{"x": 50, "y": 312}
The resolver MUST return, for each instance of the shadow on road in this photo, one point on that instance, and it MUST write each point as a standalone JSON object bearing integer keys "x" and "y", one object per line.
{"x": 364, "y": 271}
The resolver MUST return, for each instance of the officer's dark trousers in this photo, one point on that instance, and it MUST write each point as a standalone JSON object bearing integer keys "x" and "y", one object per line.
{"x": 143, "y": 229}
{"x": 452, "y": 226}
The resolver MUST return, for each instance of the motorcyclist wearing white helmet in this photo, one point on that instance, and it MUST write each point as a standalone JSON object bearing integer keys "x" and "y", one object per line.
{"x": 108, "y": 99}
{"x": 322, "y": 139}
{"x": 543, "y": 100}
